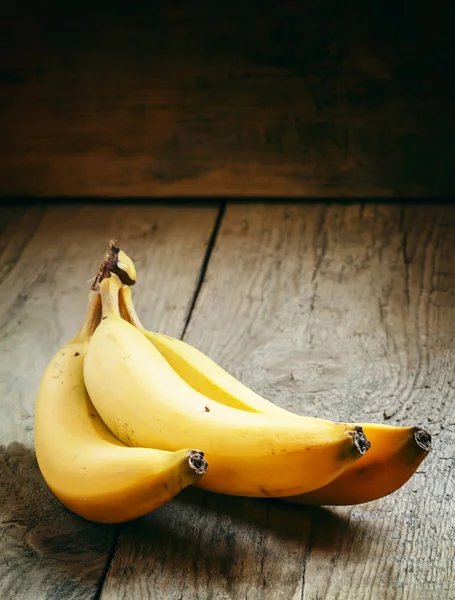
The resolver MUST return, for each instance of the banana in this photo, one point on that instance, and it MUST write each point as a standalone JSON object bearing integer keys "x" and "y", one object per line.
{"x": 145, "y": 403}
{"x": 84, "y": 465}
{"x": 198, "y": 370}
{"x": 385, "y": 471}
{"x": 395, "y": 454}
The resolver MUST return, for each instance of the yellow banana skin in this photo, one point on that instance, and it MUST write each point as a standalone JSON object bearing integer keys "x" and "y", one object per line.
{"x": 197, "y": 369}
{"x": 201, "y": 372}
{"x": 145, "y": 403}
{"x": 84, "y": 465}
{"x": 395, "y": 454}
{"x": 383, "y": 471}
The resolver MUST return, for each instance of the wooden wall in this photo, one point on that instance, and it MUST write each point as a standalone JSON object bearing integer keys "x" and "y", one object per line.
{"x": 310, "y": 98}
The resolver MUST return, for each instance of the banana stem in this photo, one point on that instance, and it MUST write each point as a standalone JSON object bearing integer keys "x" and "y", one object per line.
{"x": 422, "y": 438}
{"x": 92, "y": 318}
{"x": 127, "y": 310}
{"x": 115, "y": 261}
{"x": 197, "y": 462}
{"x": 109, "y": 290}
{"x": 360, "y": 441}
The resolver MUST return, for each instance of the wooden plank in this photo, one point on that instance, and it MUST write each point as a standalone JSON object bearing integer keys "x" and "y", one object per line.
{"x": 45, "y": 551}
{"x": 17, "y": 225}
{"x": 207, "y": 546}
{"x": 310, "y": 99}
{"x": 339, "y": 312}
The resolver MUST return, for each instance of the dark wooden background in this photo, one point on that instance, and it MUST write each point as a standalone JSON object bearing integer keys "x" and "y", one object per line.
{"x": 311, "y": 98}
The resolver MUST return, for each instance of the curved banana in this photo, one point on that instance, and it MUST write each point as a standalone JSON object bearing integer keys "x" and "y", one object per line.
{"x": 145, "y": 403}
{"x": 395, "y": 454}
{"x": 198, "y": 370}
{"x": 84, "y": 465}
{"x": 383, "y": 471}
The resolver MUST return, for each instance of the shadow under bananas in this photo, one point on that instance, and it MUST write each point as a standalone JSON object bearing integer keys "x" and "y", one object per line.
{"x": 205, "y": 536}
{"x": 43, "y": 546}
{"x": 197, "y": 537}
{"x": 274, "y": 515}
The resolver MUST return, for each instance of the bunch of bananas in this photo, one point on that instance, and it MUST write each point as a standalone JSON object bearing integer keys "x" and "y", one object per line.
{"x": 126, "y": 418}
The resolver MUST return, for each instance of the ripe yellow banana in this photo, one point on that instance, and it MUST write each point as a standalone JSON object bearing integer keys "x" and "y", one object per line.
{"x": 395, "y": 454}
{"x": 84, "y": 465}
{"x": 389, "y": 468}
{"x": 145, "y": 403}
{"x": 198, "y": 370}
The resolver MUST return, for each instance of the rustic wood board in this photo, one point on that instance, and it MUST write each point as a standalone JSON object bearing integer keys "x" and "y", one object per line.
{"x": 343, "y": 312}
{"x": 305, "y": 99}
{"x": 46, "y": 552}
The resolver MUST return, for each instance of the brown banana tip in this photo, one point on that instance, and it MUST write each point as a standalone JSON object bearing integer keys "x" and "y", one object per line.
{"x": 360, "y": 441}
{"x": 109, "y": 265}
{"x": 197, "y": 462}
{"x": 422, "y": 438}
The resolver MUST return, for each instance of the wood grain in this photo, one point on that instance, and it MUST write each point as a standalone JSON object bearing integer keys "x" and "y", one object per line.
{"x": 207, "y": 546}
{"x": 342, "y": 312}
{"x": 307, "y": 99}
{"x": 45, "y": 551}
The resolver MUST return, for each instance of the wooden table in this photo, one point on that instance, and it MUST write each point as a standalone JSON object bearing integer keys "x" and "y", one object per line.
{"x": 346, "y": 312}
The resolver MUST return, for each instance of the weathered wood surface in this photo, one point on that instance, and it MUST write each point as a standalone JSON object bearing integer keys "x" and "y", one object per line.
{"x": 343, "y": 312}
{"x": 46, "y": 258}
{"x": 300, "y": 99}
